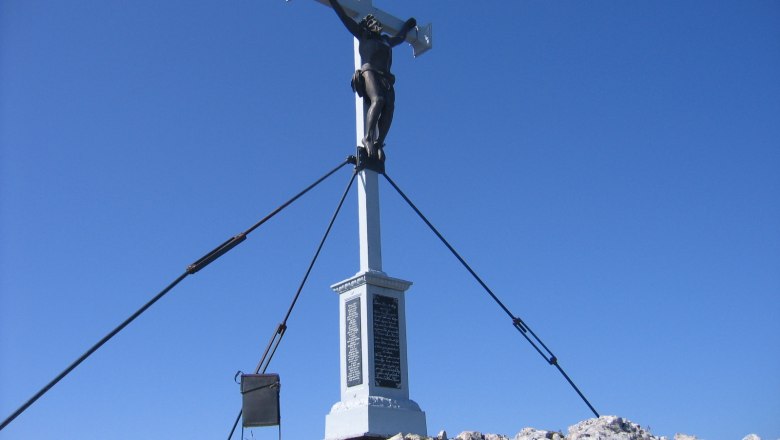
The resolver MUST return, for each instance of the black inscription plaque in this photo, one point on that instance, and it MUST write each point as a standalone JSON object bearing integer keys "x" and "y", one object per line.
{"x": 353, "y": 336}
{"x": 387, "y": 345}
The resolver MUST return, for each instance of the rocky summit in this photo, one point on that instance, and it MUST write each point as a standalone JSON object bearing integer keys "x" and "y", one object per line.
{"x": 603, "y": 428}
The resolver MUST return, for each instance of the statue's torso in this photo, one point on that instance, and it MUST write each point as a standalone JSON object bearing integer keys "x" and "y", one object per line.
{"x": 376, "y": 53}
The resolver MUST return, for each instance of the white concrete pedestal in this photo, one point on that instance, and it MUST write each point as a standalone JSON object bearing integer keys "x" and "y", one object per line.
{"x": 374, "y": 376}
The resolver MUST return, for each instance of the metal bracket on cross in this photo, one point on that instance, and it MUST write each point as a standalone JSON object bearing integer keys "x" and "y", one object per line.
{"x": 421, "y": 37}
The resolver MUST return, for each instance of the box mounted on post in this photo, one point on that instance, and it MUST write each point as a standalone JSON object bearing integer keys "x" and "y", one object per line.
{"x": 260, "y": 399}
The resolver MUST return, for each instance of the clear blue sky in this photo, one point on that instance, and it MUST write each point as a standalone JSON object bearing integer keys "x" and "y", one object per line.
{"x": 610, "y": 168}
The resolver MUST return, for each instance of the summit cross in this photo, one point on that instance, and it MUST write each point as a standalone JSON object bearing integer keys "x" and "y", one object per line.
{"x": 374, "y": 372}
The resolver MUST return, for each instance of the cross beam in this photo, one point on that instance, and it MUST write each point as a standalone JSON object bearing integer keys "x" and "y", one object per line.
{"x": 421, "y": 38}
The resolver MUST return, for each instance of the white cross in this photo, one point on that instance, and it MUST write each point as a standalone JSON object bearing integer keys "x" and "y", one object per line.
{"x": 367, "y": 404}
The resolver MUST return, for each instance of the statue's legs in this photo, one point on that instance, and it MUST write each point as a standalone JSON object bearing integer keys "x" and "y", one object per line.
{"x": 386, "y": 118}
{"x": 375, "y": 94}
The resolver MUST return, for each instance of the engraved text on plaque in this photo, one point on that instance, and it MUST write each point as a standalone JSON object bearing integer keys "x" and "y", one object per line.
{"x": 354, "y": 350}
{"x": 387, "y": 346}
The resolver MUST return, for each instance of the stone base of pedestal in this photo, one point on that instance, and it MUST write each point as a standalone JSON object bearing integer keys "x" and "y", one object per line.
{"x": 376, "y": 418}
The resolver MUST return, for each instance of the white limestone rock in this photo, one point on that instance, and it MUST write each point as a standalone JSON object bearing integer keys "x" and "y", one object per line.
{"x": 603, "y": 428}
{"x": 608, "y": 428}
{"x": 538, "y": 434}
{"x": 470, "y": 435}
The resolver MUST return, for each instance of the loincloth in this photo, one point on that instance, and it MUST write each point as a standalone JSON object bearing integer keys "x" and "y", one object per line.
{"x": 386, "y": 80}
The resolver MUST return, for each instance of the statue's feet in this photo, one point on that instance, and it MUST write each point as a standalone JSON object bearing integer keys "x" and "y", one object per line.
{"x": 380, "y": 151}
{"x": 370, "y": 147}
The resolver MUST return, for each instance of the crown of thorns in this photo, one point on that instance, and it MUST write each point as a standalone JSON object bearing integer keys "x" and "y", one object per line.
{"x": 370, "y": 22}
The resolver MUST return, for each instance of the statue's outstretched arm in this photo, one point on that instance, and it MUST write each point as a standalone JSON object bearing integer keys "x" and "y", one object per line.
{"x": 351, "y": 25}
{"x": 401, "y": 35}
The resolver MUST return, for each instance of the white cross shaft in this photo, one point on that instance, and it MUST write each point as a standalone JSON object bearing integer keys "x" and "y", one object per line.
{"x": 369, "y": 230}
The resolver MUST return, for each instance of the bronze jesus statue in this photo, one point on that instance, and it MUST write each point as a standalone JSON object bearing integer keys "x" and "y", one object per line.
{"x": 373, "y": 81}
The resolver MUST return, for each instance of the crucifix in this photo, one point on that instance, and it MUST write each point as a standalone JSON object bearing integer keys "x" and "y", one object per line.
{"x": 375, "y": 401}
